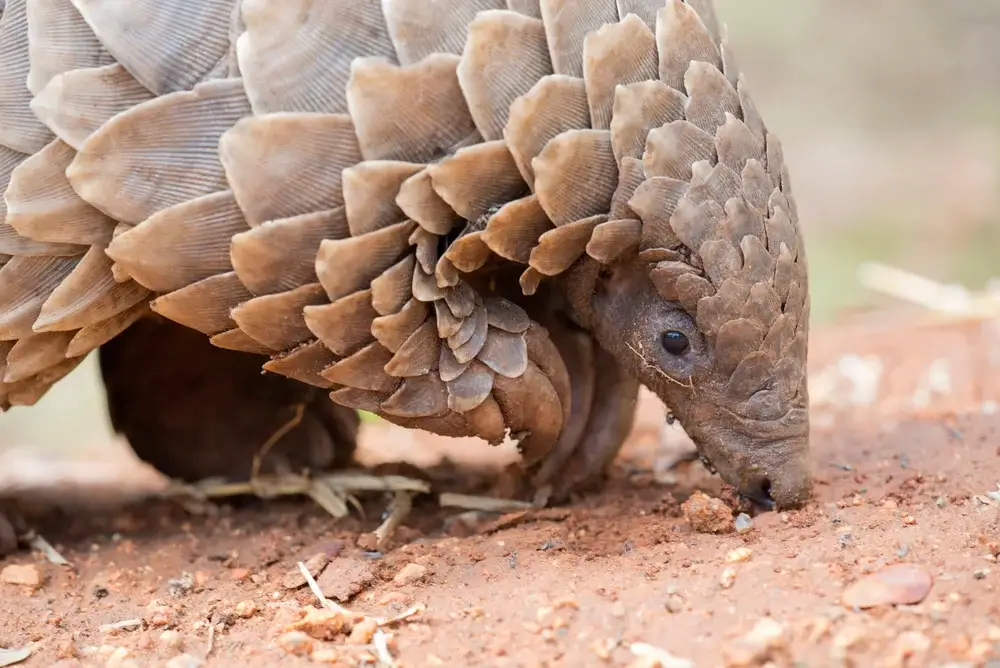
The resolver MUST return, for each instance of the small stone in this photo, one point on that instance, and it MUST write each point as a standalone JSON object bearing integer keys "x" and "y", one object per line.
{"x": 325, "y": 656}
{"x": 728, "y": 577}
{"x": 368, "y": 541}
{"x": 185, "y": 661}
{"x": 604, "y": 648}
{"x": 314, "y": 564}
{"x": 899, "y": 584}
{"x": 410, "y": 573}
{"x": 648, "y": 656}
{"x": 171, "y": 639}
{"x": 743, "y": 523}
{"x": 117, "y": 658}
{"x": 618, "y": 609}
{"x": 296, "y": 642}
{"x": 845, "y": 639}
{"x": 674, "y": 603}
{"x": 181, "y": 586}
{"x": 323, "y": 623}
{"x": 67, "y": 649}
{"x": 239, "y": 574}
{"x": 393, "y": 597}
{"x": 28, "y": 575}
{"x": 363, "y": 632}
{"x": 158, "y": 614}
{"x": 707, "y": 514}
{"x": 765, "y": 639}
{"x": 909, "y": 520}
{"x": 245, "y": 609}
{"x": 739, "y": 554}
{"x": 345, "y": 577}
{"x": 910, "y": 648}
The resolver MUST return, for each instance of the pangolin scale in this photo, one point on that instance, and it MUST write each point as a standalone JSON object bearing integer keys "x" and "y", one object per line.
{"x": 480, "y": 218}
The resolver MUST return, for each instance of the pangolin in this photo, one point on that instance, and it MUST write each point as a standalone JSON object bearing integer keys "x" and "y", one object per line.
{"x": 491, "y": 218}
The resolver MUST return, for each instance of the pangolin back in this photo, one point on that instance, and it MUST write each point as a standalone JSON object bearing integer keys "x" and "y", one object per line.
{"x": 323, "y": 181}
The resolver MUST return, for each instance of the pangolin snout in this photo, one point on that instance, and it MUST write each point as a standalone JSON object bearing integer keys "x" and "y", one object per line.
{"x": 786, "y": 483}
{"x": 767, "y": 463}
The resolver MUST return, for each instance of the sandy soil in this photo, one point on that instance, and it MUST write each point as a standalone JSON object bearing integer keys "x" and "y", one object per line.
{"x": 907, "y": 463}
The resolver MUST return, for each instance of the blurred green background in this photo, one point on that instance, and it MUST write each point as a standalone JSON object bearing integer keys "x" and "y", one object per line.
{"x": 889, "y": 112}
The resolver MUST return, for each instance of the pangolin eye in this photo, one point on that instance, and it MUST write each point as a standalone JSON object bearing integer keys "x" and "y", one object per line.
{"x": 674, "y": 342}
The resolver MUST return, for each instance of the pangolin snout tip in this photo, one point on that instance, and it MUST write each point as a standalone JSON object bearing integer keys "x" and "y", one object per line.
{"x": 785, "y": 487}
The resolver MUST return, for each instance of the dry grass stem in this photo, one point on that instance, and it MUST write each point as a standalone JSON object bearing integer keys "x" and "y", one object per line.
{"x": 487, "y": 504}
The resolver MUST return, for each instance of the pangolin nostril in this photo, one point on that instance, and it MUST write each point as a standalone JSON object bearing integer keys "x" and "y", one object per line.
{"x": 759, "y": 491}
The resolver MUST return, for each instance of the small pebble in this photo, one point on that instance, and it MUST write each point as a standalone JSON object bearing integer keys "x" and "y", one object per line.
{"x": 28, "y": 575}
{"x": 363, "y": 632}
{"x": 728, "y": 577}
{"x": 245, "y": 609}
{"x": 181, "y": 586}
{"x": 743, "y": 523}
{"x": 756, "y": 647}
{"x": 325, "y": 655}
{"x": 393, "y": 597}
{"x": 707, "y": 514}
{"x": 674, "y": 603}
{"x": 294, "y": 579}
{"x": 323, "y": 624}
{"x": 410, "y": 573}
{"x": 171, "y": 639}
{"x": 117, "y": 658}
{"x": 158, "y": 614}
{"x": 240, "y": 574}
{"x": 910, "y": 649}
{"x": 296, "y": 642}
{"x": 185, "y": 661}
{"x": 899, "y": 584}
{"x": 345, "y": 577}
{"x": 739, "y": 554}
{"x": 67, "y": 649}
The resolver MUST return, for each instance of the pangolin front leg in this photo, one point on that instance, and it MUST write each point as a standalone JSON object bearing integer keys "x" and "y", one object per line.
{"x": 602, "y": 411}
{"x": 611, "y": 416}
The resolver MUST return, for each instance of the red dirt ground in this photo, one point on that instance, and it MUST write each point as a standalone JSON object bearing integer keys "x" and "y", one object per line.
{"x": 909, "y": 474}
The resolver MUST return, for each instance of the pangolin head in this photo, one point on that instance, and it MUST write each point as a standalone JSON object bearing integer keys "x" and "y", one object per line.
{"x": 711, "y": 312}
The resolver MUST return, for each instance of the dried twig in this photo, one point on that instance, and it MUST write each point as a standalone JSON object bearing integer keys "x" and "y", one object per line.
{"x": 954, "y": 300}
{"x": 381, "y": 641}
{"x": 402, "y": 503}
{"x": 487, "y": 504}
{"x": 331, "y": 491}
{"x": 213, "y": 620}
{"x": 336, "y": 607}
{"x": 117, "y": 626}
{"x": 258, "y": 458}
{"x": 37, "y": 542}
{"x": 8, "y": 657}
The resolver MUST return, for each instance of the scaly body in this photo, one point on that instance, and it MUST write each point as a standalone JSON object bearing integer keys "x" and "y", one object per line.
{"x": 473, "y": 217}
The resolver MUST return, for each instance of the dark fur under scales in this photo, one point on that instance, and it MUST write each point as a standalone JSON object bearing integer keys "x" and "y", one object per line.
{"x": 310, "y": 200}
{"x": 218, "y": 405}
